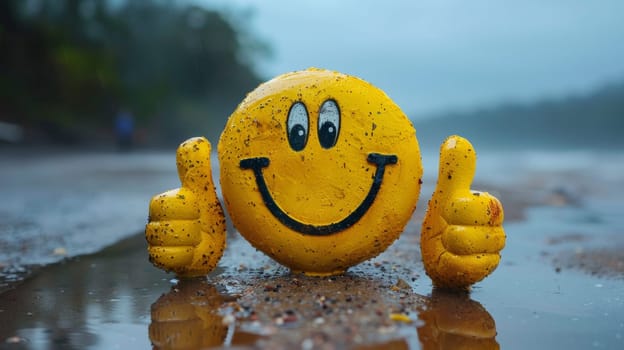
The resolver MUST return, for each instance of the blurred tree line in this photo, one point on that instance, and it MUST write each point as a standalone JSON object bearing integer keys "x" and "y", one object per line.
{"x": 591, "y": 121}
{"x": 67, "y": 67}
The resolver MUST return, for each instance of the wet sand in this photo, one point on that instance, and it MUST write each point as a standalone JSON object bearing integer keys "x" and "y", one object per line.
{"x": 545, "y": 294}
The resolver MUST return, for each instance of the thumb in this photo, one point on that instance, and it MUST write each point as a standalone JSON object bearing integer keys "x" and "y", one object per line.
{"x": 457, "y": 167}
{"x": 193, "y": 162}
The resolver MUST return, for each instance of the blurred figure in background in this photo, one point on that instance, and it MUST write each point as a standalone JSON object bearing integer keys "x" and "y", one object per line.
{"x": 124, "y": 129}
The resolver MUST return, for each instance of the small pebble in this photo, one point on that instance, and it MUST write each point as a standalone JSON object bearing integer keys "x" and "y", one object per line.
{"x": 307, "y": 344}
{"x": 400, "y": 318}
{"x": 228, "y": 320}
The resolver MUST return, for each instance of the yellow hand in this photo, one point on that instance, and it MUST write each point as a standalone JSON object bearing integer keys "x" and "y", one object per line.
{"x": 186, "y": 229}
{"x": 462, "y": 234}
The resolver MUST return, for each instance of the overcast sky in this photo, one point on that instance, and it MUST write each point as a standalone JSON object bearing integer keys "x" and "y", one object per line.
{"x": 435, "y": 56}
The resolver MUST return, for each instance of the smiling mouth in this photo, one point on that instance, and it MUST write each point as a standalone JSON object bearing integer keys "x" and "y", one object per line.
{"x": 256, "y": 164}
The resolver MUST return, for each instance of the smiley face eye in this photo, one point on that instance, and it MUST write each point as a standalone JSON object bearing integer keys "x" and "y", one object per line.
{"x": 329, "y": 124}
{"x": 297, "y": 126}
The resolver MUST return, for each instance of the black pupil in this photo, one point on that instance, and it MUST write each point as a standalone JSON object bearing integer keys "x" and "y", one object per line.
{"x": 297, "y": 137}
{"x": 327, "y": 135}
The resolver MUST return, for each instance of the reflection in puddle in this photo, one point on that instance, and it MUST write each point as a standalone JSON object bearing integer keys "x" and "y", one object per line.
{"x": 187, "y": 317}
{"x": 190, "y": 316}
{"x": 454, "y": 321}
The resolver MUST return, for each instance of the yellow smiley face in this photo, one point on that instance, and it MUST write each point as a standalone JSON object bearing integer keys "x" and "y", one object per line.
{"x": 319, "y": 170}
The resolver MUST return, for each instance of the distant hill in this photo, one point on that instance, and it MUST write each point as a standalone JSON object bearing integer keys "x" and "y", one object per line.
{"x": 594, "y": 121}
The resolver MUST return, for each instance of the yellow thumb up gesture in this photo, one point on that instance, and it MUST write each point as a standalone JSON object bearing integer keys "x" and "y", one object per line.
{"x": 462, "y": 234}
{"x": 186, "y": 228}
